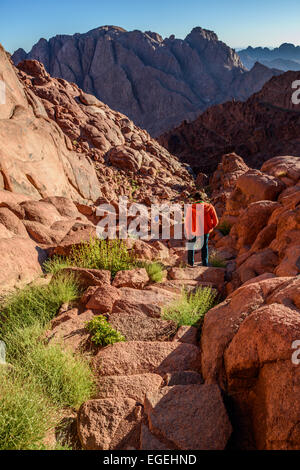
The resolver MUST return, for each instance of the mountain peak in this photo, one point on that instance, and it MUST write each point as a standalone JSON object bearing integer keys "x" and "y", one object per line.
{"x": 205, "y": 33}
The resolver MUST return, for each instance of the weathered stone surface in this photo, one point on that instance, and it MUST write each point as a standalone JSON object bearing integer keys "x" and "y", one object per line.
{"x": 145, "y": 301}
{"x": 89, "y": 277}
{"x": 79, "y": 233}
{"x": 40, "y": 233}
{"x": 149, "y": 441}
{"x": 69, "y": 330}
{"x": 105, "y": 424}
{"x": 201, "y": 274}
{"x": 140, "y": 327}
{"x": 103, "y": 299}
{"x": 12, "y": 223}
{"x": 252, "y": 360}
{"x": 223, "y": 321}
{"x": 132, "y": 386}
{"x": 32, "y": 136}
{"x": 190, "y": 417}
{"x": 187, "y": 334}
{"x": 185, "y": 377}
{"x": 138, "y": 357}
{"x": 20, "y": 262}
{"x": 136, "y": 278}
{"x": 264, "y": 365}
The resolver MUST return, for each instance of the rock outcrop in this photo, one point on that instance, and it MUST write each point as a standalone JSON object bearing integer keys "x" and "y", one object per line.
{"x": 267, "y": 124}
{"x": 247, "y": 348}
{"x": 260, "y": 209}
{"x": 35, "y": 158}
{"x": 156, "y": 82}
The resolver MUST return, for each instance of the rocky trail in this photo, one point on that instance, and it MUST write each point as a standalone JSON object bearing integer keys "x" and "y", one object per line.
{"x": 145, "y": 383}
{"x": 170, "y": 388}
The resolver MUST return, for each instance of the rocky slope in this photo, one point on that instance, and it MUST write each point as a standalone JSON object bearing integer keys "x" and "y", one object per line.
{"x": 247, "y": 341}
{"x": 126, "y": 160}
{"x": 58, "y": 142}
{"x": 35, "y": 157}
{"x": 267, "y": 124}
{"x": 156, "y": 82}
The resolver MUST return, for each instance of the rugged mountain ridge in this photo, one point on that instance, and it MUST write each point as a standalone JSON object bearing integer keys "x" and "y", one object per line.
{"x": 285, "y": 57}
{"x": 156, "y": 82}
{"x": 264, "y": 126}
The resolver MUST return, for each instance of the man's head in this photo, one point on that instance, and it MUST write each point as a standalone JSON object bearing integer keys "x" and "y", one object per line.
{"x": 199, "y": 196}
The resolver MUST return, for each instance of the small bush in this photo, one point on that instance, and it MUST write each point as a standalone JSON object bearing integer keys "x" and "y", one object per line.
{"x": 191, "y": 308}
{"x": 65, "y": 378}
{"x": 112, "y": 255}
{"x": 154, "y": 270}
{"x": 55, "y": 264}
{"x": 224, "y": 227}
{"x": 43, "y": 377}
{"x": 34, "y": 307}
{"x": 216, "y": 260}
{"x": 25, "y": 415}
{"x": 102, "y": 333}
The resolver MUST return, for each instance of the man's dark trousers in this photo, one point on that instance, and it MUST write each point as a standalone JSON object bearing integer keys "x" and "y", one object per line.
{"x": 204, "y": 250}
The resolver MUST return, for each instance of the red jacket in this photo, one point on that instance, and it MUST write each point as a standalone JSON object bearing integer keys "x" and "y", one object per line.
{"x": 194, "y": 226}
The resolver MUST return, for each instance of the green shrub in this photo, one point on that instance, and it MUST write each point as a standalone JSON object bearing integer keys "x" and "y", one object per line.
{"x": 216, "y": 260}
{"x": 65, "y": 378}
{"x": 44, "y": 377}
{"x": 34, "y": 307}
{"x": 154, "y": 270}
{"x": 25, "y": 415}
{"x": 55, "y": 264}
{"x": 102, "y": 333}
{"x": 224, "y": 227}
{"x": 112, "y": 255}
{"x": 190, "y": 308}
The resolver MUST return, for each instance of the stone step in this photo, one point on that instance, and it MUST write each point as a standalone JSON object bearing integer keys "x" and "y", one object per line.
{"x": 215, "y": 276}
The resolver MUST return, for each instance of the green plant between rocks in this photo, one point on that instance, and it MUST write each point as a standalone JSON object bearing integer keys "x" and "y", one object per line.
{"x": 215, "y": 260}
{"x": 224, "y": 227}
{"x": 40, "y": 379}
{"x": 26, "y": 415}
{"x": 155, "y": 270}
{"x": 102, "y": 333}
{"x": 112, "y": 255}
{"x": 191, "y": 307}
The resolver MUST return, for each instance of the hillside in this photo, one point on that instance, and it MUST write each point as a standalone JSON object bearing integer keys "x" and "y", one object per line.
{"x": 264, "y": 126}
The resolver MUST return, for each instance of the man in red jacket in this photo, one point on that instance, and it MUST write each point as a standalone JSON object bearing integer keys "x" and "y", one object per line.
{"x": 199, "y": 223}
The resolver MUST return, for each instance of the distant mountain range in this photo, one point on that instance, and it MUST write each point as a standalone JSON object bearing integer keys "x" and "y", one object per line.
{"x": 286, "y": 57}
{"x": 156, "y": 82}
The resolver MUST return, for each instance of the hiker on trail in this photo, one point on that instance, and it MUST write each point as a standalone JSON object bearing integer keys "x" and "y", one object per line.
{"x": 200, "y": 220}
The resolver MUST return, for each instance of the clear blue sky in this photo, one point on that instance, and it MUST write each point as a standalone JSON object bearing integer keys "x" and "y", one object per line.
{"x": 238, "y": 23}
